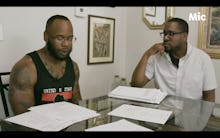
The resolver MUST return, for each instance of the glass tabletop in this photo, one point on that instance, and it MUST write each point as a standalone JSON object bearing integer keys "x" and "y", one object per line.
{"x": 187, "y": 115}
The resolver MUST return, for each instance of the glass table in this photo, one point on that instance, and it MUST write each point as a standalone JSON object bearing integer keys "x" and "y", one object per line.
{"x": 188, "y": 115}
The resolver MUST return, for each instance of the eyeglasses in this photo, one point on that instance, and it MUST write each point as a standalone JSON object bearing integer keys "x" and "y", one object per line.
{"x": 169, "y": 33}
{"x": 61, "y": 38}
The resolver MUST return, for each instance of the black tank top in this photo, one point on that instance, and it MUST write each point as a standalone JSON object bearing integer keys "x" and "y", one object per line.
{"x": 49, "y": 89}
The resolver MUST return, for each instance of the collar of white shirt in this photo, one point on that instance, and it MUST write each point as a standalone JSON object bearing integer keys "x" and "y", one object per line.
{"x": 189, "y": 49}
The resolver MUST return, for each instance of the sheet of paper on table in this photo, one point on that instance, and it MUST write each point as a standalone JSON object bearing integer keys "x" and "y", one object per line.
{"x": 141, "y": 113}
{"x": 53, "y": 117}
{"x": 121, "y": 125}
{"x": 151, "y": 95}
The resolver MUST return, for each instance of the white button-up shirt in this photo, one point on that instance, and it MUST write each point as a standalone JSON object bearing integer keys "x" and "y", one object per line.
{"x": 194, "y": 75}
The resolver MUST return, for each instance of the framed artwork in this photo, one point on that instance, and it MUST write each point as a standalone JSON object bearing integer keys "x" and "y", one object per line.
{"x": 101, "y": 33}
{"x": 151, "y": 11}
{"x": 209, "y": 31}
{"x": 154, "y": 17}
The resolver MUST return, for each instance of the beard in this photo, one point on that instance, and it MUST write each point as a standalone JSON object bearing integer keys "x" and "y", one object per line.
{"x": 167, "y": 49}
{"x": 55, "y": 54}
{"x": 170, "y": 49}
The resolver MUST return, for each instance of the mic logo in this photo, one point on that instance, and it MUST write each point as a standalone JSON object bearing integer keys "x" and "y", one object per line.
{"x": 197, "y": 17}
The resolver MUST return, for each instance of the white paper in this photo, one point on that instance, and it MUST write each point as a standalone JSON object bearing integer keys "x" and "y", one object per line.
{"x": 65, "y": 111}
{"x": 53, "y": 117}
{"x": 121, "y": 125}
{"x": 36, "y": 121}
{"x": 141, "y": 113}
{"x": 139, "y": 94}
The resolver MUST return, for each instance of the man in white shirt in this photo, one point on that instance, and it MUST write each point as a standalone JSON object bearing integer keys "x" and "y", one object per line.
{"x": 177, "y": 67}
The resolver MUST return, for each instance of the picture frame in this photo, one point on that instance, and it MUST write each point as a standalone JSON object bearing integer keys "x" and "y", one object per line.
{"x": 156, "y": 19}
{"x": 209, "y": 30}
{"x": 151, "y": 11}
{"x": 101, "y": 34}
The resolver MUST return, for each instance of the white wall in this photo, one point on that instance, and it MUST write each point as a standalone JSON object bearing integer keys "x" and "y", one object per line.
{"x": 23, "y": 32}
{"x": 140, "y": 38}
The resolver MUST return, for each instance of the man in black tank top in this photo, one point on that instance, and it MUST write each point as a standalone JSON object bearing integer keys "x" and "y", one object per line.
{"x": 48, "y": 74}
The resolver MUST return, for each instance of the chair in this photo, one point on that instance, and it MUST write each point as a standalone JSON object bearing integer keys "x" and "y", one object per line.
{"x": 4, "y": 86}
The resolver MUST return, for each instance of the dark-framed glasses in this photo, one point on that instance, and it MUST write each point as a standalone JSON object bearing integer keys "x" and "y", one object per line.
{"x": 169, "y": 33}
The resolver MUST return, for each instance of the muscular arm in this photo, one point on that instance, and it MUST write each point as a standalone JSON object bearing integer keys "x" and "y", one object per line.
{"x": 76, "y": 91}
{"x": 21, "y": 86}
{"x": 209, "y": 95}
{"x": 138, "y": 78}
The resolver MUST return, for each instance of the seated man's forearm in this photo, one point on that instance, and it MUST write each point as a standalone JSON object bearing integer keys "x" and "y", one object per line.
{"x": 137, "y": 82}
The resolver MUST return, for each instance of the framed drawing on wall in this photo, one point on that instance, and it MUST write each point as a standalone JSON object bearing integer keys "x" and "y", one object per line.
{"x": 151, "y": 11}
{"x": 101, "y": 33}
{"x": 154, "y": 17}
{"x": 209, "y": 31}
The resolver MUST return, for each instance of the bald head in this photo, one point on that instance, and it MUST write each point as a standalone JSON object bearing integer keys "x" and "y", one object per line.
{"x": 52, "y": 19}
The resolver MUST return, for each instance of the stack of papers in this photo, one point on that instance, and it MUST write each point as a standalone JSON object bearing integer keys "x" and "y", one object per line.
{"x": 138, "y": 94}
{"x": 121, "y": 125}
{"x": 53, "y": 117}
{"x": 141, "y": 113}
